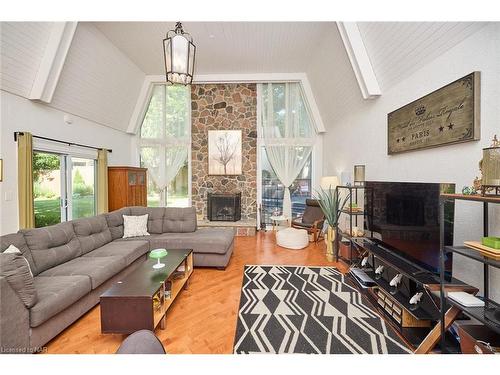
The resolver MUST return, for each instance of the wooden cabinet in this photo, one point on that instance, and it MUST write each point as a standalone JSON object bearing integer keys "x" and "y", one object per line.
{"x": 127, "y": 186}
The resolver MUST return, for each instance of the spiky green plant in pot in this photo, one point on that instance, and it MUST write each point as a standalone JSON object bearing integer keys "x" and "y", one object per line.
{"x": 331, "y": 203}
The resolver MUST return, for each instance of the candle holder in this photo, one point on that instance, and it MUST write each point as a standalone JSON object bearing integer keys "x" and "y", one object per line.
{"x": 491, "y": 169}
{"x": 359, "y": 175}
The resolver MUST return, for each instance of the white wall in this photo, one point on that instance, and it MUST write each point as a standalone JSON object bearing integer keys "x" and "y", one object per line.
{"x": 357, "y": 134}
{"x": 98, "y": 82}
{"x": 20, "y": 114}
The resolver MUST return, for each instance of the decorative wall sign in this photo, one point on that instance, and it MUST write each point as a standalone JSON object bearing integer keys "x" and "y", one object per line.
{"x": 224, "y": 152}
{"x": 446, "y": 116}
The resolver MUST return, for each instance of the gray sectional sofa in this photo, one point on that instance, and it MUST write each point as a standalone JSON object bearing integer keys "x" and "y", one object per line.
{"x": 74, "y": 262}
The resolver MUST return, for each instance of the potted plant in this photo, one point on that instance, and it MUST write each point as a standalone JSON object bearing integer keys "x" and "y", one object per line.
{"x": 331, "y": 204}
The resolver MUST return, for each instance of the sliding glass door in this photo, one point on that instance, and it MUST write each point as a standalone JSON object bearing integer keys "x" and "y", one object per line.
{"x": 82, "y": 188}
{"x": 63, "y": 187}
{"x": 48, "y": 185}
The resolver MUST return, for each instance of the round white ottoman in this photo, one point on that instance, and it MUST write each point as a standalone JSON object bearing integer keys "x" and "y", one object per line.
{"x": 292, "y": 238}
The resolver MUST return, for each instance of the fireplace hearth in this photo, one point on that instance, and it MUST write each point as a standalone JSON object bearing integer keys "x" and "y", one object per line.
{"x": 224, "y": 207}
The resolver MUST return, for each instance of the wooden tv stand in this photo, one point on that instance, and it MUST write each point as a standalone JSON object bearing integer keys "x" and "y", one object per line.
{"x": 418, "y": 325}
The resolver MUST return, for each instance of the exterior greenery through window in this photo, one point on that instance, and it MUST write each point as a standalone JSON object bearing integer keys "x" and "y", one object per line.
{"x": 63, "y": 188}
{"x": 164, "y": 145}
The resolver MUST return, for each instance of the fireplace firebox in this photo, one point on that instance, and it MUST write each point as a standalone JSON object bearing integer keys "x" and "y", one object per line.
{"x": 224, "y": 207}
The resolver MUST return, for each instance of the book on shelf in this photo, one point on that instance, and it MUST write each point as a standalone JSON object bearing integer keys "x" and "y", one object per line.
{"x": 465, "y": 299}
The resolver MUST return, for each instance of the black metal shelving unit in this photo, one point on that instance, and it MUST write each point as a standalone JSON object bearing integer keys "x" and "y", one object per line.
{"x": 354, "y": 217}
{"x": 490, "y": 306}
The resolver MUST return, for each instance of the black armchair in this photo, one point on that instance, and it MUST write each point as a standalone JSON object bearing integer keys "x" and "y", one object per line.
{"x": 312, "y": 220}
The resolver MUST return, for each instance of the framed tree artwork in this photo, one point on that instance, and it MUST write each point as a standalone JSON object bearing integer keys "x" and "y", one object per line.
{"x": 224, "y": 152}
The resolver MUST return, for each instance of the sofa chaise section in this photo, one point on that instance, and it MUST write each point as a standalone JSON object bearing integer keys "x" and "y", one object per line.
{"x": 212, "y": 247}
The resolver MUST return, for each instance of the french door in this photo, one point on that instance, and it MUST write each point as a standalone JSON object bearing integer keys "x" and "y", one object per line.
{"x": 63, "y": 187}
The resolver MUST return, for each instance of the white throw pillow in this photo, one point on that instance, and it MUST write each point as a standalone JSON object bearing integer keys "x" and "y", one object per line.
{"x": 14, "y": 250}
{"x": 135, "y": 226}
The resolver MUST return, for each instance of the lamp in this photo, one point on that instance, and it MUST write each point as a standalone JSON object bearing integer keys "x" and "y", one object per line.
{"x": 491, "y": 168}
{"x": 329, "y": 182}
{"x": 179, "y": 52}
{"x": 158, "y": 254}
{"x": 359, "y": 175}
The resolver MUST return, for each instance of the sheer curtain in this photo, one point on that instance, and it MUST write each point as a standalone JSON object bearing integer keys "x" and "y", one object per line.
{"x": 287, "y": 133}
{"x": 165, "y": 135}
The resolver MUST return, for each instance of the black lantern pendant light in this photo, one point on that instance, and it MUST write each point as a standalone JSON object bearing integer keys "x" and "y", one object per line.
{"x": 179, "y": 51}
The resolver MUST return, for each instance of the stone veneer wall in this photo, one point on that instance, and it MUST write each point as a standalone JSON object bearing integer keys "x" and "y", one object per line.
{"x": 224, "y": 107}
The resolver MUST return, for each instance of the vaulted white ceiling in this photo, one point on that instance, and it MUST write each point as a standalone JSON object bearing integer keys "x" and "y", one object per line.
{"x": 397, "y": 49}
{"x": 107, "y": 61}
{"x": 223, "y": 47}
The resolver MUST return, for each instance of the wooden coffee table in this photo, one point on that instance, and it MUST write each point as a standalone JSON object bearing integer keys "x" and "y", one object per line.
{"x": 142, "y": 298}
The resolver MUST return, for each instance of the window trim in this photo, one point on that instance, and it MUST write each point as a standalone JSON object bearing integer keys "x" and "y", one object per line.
{"x": 149, "y": 80}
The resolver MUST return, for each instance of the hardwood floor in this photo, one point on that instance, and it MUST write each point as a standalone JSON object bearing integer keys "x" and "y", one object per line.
{"x": 203, "y": 318}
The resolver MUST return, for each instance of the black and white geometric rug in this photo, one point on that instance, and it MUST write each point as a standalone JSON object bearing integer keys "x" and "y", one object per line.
{"x": 289, "y": 309}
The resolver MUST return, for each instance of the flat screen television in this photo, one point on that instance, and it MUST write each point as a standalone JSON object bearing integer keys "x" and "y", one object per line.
{"x": 403, "y": 217}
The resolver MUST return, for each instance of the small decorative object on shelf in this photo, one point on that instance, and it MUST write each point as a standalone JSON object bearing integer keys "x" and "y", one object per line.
{"x": 359, "y": 175}
{"x": 493, "y": 242}
{"x": 491, "y": 168}
{"x": 469, "y": 190}
{"x": 396, "y": 280}
{"x": 357, "y": 232}
{"x": 379, "y": 271}
{"x": 158, "y": 254}
{"x": 353, "y": 208}
{"x": 416, "y": 299}
{"x": 364, "y": 262}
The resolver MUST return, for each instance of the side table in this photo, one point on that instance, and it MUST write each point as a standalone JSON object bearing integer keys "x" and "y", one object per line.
{"x": 278, "y": 219}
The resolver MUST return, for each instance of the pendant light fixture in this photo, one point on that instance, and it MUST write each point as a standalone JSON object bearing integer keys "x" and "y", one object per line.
{"x": 179, "y": 52}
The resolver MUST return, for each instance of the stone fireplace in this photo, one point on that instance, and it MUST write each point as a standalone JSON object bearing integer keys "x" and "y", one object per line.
{"x": 224, "y": 107}
{"x": 224, "y": 207}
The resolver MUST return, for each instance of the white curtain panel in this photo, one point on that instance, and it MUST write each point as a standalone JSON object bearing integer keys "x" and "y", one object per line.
{"x": 163, "y": 163}
{"x": 288, "y": 133}
{"x": 164, "y": 141}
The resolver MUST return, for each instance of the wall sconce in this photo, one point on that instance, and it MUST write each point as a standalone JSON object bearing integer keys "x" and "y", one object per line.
{"x": 359, "y": 175}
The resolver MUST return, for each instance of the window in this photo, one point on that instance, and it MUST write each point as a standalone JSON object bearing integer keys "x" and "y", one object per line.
{"x": 273, "y": 190}
{"x": 287, "y": 137}
{"x": 164, "y": 145}
{"x": 63, "y": 187}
